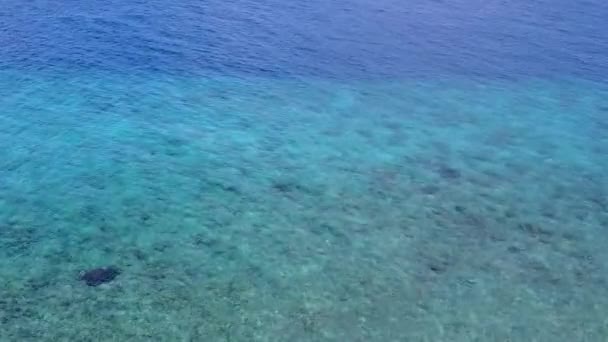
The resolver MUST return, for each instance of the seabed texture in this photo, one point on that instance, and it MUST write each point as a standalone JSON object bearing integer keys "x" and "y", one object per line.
{"x": 259, "y": 209}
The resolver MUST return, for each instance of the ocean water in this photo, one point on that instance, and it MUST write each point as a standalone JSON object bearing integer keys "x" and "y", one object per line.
{"x": 304, "y": 171}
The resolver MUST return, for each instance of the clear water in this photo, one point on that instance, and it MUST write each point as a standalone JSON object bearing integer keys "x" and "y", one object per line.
{"x": 304, "y": 171}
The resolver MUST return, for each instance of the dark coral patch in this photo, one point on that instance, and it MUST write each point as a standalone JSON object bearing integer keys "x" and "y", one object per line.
{"x": 448, "y": 172}
{"x": 101, "y": 275}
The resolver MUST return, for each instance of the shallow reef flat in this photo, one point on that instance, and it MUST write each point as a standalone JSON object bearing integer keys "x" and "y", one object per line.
{"x": 261, "y": 209}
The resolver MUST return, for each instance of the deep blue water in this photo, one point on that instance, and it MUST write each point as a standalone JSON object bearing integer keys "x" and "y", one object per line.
{"x": 304, "y": 170}
{"x": 328, "y": 39}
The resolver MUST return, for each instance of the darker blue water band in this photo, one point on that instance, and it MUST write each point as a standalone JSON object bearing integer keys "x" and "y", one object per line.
{"x": 329, "y": 39}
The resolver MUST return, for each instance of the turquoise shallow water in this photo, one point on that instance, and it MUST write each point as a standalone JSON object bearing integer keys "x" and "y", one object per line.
{"x": 304, "y": 171}
{"x": 268, "y": 209}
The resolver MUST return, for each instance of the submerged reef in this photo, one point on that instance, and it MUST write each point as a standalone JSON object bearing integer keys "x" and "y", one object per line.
{"x": 100, "y": 275}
